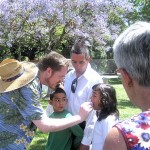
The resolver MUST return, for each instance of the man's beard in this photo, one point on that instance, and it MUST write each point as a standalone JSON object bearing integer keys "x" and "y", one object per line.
{"x": 52, "y": 86}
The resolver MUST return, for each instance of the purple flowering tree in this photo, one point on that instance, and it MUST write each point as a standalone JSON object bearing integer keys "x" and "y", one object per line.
{"x": 34, "y": 27}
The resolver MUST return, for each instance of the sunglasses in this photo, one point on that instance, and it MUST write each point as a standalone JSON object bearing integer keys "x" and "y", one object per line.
{"x": 74, "y": 85}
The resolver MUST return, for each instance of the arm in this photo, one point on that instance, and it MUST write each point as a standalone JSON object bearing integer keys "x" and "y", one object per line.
{"x": 90, "y": 122}
{"x": 46, "y": 124}
{"x": 84, "y": 147}
{"x": 88, "y": 131}
{"x": 35, "y": 113}
{"x": 114, "y": 140}
{"x": 77, "y": 131}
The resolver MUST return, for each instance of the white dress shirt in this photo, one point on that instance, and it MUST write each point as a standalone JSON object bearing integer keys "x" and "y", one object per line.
{"x": 101, "y": 130}
{"x": 82, "y": 94}
{"x": 49, "y": 110}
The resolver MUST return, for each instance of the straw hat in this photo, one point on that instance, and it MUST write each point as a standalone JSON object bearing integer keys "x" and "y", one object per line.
{"x": 15, "y": 74}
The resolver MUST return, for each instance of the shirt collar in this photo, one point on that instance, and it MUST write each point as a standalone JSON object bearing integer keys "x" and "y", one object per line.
{"x": 87, "y": 72}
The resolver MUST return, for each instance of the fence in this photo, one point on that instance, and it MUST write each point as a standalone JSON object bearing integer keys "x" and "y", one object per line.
{"x": 102, "y": 66}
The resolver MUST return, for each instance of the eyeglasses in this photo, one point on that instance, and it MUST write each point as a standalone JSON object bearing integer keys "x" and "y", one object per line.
{"x": 74, "y": 85}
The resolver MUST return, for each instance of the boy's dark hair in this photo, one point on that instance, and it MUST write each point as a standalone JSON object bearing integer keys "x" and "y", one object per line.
{"x": 108, "y": 101}
{"x": 57, "y": 90}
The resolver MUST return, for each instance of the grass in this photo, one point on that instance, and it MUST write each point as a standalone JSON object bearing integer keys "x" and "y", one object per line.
{"x": 126, "y": 110}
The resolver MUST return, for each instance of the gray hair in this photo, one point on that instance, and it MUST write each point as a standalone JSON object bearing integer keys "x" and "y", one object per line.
{"x": 132, "y": 52}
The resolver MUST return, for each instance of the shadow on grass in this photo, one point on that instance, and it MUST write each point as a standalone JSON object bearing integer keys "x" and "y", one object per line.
{"x": 114, "y": 81}
{"x": 125, "y": 103}
{"x": 39, "y": 141}
{"x": 38, "y": 145}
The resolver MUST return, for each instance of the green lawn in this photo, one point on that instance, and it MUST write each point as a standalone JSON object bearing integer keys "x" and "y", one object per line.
{"x": 126, "y": 110}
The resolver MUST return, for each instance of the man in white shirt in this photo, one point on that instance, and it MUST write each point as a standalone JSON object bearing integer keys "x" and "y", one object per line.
{"x": 78, "y": 86}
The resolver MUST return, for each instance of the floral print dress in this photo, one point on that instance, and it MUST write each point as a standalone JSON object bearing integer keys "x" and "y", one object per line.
{"x": 136, "y": 131}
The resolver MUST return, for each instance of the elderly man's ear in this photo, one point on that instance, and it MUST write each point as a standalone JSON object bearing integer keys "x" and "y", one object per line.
{"x": 127, "y": 80}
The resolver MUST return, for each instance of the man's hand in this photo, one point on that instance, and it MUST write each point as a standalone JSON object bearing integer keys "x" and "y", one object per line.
{"x": 85, "y": 109}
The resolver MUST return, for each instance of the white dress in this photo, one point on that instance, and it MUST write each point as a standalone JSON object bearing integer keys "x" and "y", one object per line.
{"x": 101, "y": 130}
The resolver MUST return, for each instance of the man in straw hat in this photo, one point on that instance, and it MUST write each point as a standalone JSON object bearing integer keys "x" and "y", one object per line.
{"x": 20, "y": 109}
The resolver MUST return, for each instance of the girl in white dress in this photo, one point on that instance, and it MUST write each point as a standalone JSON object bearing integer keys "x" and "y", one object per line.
{"x": 105, "y": 103}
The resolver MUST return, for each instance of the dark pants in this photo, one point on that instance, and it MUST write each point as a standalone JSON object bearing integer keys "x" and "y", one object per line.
{"x": 82, "y": 125}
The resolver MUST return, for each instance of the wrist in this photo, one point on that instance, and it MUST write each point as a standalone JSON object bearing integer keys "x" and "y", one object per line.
{"x": 78, "y": 119}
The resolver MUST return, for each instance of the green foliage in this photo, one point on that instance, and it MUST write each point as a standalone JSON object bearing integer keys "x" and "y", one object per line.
{"x": 141, "y": 11}
{"x": 39, "y": 141}
{"x": 34, "y": 28}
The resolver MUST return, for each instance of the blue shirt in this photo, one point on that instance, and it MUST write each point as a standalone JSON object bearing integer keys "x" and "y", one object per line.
{"x": 17, "y": 110}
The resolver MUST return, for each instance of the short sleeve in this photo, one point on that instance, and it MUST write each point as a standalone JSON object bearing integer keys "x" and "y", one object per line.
{"x": 27, "y": 100}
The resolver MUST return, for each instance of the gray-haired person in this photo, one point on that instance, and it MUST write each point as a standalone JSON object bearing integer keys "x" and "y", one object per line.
{"x": 132, "y": 56}
{"x": 20, "y": 108}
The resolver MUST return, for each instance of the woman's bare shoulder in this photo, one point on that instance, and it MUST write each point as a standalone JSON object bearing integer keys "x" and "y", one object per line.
{"x": 114, "y": 140}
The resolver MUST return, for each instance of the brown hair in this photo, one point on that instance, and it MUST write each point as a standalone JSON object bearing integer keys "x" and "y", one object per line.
{"x": 53, "y": 60}
{"x": 108, "y": 100}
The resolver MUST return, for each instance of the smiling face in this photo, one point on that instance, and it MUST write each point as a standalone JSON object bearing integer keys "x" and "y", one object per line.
{"x": 59, "y": 102}
{"x": 80, "y": 63}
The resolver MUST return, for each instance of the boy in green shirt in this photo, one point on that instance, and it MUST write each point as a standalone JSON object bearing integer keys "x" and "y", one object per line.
{"x": 69, "y": 138}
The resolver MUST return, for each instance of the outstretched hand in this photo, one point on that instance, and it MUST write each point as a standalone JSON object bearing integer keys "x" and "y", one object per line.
{"x": 85, "y": 109}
